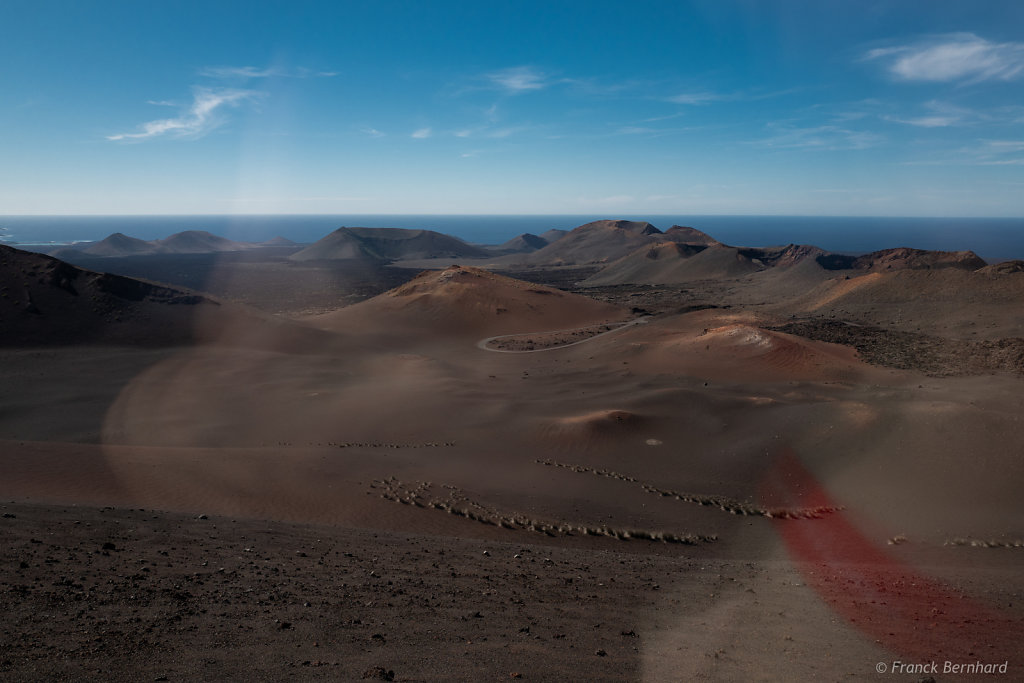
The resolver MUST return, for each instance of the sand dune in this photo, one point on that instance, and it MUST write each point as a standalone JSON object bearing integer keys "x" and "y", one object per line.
{"x": 581, "y": 431}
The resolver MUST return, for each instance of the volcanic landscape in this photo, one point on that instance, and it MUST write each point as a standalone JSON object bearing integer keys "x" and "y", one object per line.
{"x": 613, "y": 453}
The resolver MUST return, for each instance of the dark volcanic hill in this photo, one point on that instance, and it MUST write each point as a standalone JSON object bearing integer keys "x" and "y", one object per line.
{"x": 553, "y": 235}
{"x": 47, "y": 302}
{"x": 279, "y": 242}
{"x": 904, "y": 258}
{"x": 199, "y": 242}
{"x": 120, "y": 244}
{"x": 597, "y": 242}
{"x": 387, "y": 244}
{"x": 523, "y": 244}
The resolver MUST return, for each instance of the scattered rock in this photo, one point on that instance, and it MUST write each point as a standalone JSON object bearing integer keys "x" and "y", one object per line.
{"x": 379, "y": 673}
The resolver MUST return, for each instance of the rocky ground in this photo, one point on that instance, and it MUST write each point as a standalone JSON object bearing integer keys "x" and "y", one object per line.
{"x": 134, "y": 595}
{"x": 935, "y": 356}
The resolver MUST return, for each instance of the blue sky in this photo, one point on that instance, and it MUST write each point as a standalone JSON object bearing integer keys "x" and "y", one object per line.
{"x": 624, "y": 109}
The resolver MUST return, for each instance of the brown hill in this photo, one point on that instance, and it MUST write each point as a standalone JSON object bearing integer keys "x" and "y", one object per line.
{"x": 597, "y": 242}
{"x": 687, "y": 235}
{"x": 947, "y": 301}
{"x": 1004, "y": 268}
{"x": 470, "y": 301}
{"x": 673, "y": 262}
{"x": 387, "y": 244}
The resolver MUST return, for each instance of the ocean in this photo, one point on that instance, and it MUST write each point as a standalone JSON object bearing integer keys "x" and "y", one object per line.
{"x": 994, "y": 239}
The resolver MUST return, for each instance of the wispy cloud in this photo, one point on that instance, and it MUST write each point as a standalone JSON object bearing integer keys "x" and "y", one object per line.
{"x": 927, "y": 121}
{"x": 248, "y": 72}
{"x": 519, "y": 79}
{"x": 943, "y": 114}
{"x": 696, "y": 98}
{"x": 422, "y": 133}
{"x": 953, "y": 57}
{"x": 373, "y": 132}
{"x": 650, "y": 131}
{"x": 701, "y": 97}
{"x": 201, "y": 117}
{"x": 1000, "y": 153}
{"x": 982, "y": 153}
{"x": 489, "y": 132}
{"x": 822, "y": 138}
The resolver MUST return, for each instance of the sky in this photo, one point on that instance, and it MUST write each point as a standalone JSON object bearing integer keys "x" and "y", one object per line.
{"x": 897, "y": 108}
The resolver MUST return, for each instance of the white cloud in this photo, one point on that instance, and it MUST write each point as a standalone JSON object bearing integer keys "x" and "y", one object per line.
{"x": 927, "y": 121}
{"x": 519, "y": 79}
{"x": 422, "y": 133}
{"x": 942, "y": 115}
{"x": 953, "y": 57}
{"x": 373, "y": 132}
{"x": 202, "y": 116}
{"x": 696, "y": 98}
{"x": 247, "y": 72}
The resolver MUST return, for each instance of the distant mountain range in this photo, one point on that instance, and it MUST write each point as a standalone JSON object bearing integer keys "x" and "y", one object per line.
{"x": 188, "y": 242}
{"x": 628, "y": 252}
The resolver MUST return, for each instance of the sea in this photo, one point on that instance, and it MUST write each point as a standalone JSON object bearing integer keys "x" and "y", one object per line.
{"x": 994, "y": 239}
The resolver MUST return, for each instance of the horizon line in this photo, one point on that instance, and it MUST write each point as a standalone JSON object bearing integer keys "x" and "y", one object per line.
{"x": 509, "y": 215}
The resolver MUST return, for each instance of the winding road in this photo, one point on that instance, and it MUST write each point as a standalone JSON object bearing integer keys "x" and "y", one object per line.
{"x": 483, "y": 343}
